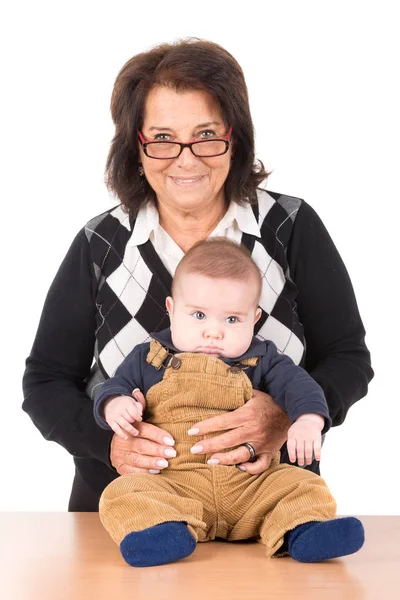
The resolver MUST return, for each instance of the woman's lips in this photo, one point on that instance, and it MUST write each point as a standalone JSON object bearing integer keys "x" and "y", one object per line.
{"x": 187, "y": 181}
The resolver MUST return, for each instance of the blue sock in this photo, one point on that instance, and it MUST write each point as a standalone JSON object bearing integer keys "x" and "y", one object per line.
{"x": 322, "y": 540}
{"x": 158, "y": 545}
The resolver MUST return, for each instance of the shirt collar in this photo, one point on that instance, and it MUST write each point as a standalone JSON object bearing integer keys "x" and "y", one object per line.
{"x": 244, "y": 217}
{"x": 257, "y": 347}
{"x": 147, "y": 221}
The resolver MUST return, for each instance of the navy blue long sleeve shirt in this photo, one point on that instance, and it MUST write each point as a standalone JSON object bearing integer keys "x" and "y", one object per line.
{"x": 295, "y": 392}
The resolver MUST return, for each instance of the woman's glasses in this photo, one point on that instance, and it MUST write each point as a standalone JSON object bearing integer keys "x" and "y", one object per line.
{"x": 201, "y": 149}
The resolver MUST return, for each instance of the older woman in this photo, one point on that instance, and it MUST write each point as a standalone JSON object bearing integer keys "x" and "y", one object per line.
{"x": 182, "y": 164}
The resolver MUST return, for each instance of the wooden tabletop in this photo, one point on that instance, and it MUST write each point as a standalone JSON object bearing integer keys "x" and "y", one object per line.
{"x": 69, "y": 556}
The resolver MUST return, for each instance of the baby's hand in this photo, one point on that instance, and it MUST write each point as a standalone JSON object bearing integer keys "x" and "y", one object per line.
{"x": 304, "y": 438}
{"x": 120, "y": 412}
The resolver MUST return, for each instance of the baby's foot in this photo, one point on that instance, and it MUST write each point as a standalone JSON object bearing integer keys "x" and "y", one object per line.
{"x": 158, "y": 545}
{"x": 322, "y": 540}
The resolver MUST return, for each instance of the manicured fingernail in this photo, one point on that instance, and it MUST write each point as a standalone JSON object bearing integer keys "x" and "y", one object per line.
{"x": 162, "y": 463}
{"x": 170, "y": 452}
{"x": 213, "y": 461}
{"x": 196, "y": 449}
{"x": 169, "y": 441}
{"x": 194, "y": 431}
{"x": 241, "y": 467}
{"x": 154, "y": 471}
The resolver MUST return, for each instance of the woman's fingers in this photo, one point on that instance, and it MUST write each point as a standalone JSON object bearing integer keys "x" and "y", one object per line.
{"x": 258, "y": 410}
{"x": 218, "y": 423}
{"x": 239, "y": 457}
{"x": 259, "y": 466}
{"x": 233, "y": 457}
{"x": 220, "y": 442}
{"x": 260, "y": 419}
{"x": 144, "y": 453}
{"x": 128, "y": 470}
{"x": 125, "y": 457}
{"x": 156, "y": 434}
{"x": 148, "y": 449}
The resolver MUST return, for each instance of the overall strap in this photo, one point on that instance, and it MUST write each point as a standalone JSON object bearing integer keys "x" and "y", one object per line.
{"x": 250, "y": 362}
{"x": 157, "y": 354}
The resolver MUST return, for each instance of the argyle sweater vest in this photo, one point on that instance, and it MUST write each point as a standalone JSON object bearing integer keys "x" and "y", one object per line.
{"x": 131, "y": 284}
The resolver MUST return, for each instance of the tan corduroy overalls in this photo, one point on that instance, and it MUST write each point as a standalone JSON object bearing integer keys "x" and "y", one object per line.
{"x": 215, "y": 501}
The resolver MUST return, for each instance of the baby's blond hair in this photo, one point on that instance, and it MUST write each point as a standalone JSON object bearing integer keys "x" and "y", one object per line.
{"x": 219, "y": 258}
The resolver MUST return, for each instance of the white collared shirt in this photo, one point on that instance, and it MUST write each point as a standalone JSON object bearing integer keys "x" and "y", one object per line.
{"x": 236, "y": 221}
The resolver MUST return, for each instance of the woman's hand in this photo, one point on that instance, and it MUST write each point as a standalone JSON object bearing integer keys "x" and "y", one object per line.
{"x": 260, "y": 422}
{"x": 145, "y": 453}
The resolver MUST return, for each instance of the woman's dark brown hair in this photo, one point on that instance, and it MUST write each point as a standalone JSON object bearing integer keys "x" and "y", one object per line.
{"x": 191, "y": 64}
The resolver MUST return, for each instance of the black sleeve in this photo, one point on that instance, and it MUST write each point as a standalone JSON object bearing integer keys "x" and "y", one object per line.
{"x": 336, "y": 354}
{"x": 61, "y": 358}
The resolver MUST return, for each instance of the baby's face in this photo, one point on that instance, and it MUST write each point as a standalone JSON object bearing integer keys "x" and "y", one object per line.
{"x": 213, "y": 316}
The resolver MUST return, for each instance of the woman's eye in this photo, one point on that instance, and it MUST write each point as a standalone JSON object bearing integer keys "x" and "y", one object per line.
{"x": 163, "y": 137}
{"x": 207, "y": 133}
{"x": 199, "y": 315}
{"x": 232, "y": 320}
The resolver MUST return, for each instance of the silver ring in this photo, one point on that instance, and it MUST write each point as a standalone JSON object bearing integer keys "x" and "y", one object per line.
{"x": 253, "y": 455}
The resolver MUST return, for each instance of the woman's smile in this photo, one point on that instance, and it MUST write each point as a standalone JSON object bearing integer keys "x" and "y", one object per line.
{"x": 187, "y": 181}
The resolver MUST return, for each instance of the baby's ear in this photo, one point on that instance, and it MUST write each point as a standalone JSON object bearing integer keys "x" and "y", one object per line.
{"x": 169, "y": 303}
{"x": 257, "y": 315}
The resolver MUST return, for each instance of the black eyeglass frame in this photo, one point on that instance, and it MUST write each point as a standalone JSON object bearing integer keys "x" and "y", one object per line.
{"x": 190, "y": 145}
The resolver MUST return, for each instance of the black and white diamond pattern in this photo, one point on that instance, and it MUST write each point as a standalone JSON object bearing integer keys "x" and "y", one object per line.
{"x": 132, "y": 282}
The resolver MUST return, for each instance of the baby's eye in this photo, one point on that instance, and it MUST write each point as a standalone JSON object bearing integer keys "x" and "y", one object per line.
{"x": 232, "y": 319}
{"x": 199, "y": 315}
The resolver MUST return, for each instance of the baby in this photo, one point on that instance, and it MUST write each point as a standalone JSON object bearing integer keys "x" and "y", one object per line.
{"x": 208, "y": 363}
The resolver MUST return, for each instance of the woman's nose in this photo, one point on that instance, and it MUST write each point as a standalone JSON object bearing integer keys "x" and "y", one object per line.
{"x": 187, "y": 158}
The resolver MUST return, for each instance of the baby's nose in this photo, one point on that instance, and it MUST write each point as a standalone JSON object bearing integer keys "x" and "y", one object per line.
{"x": 215, "y": 334}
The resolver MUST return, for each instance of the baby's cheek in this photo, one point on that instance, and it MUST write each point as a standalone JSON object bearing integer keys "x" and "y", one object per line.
{"x": 184, "y": 339}
{"x": 235, "y": 345}
{"x": 243, "y": 341}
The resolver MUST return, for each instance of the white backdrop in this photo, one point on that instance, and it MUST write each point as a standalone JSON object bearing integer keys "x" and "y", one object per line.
{"x": 323, "y": 79}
